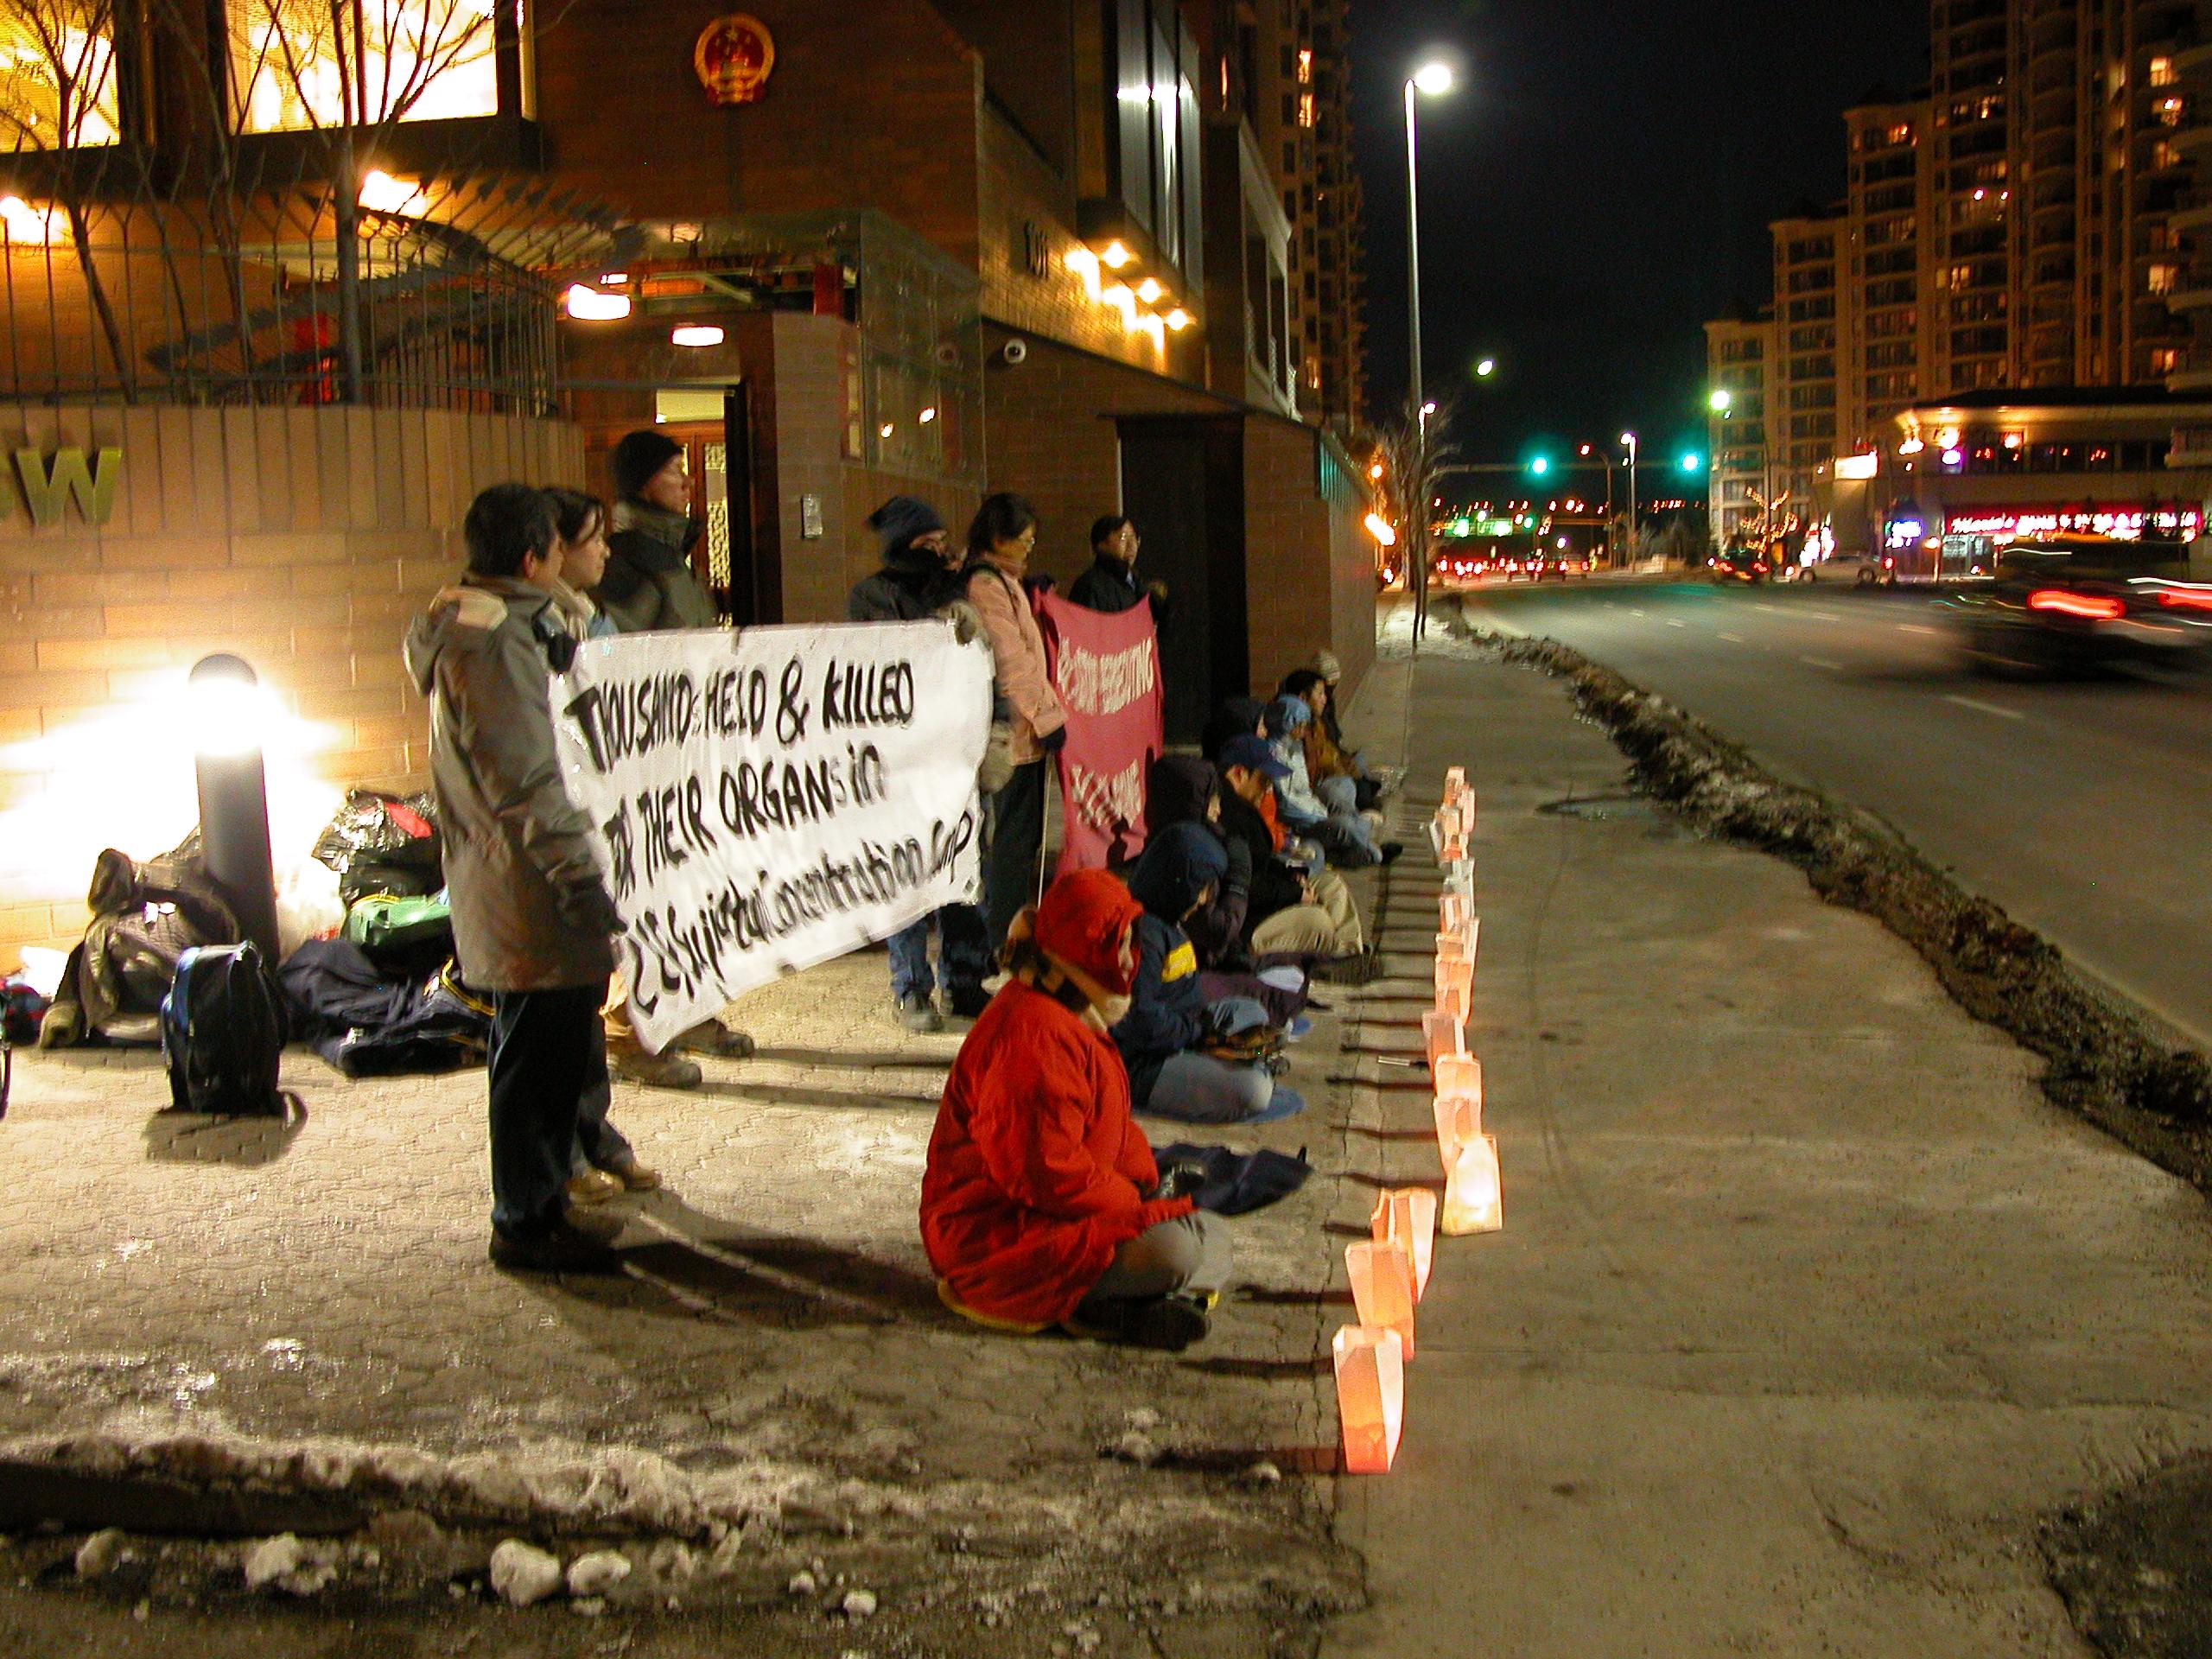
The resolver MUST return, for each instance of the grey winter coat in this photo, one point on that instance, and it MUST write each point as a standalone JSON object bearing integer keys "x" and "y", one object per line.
{"x": 649, "y": 583}
{"x": 530, "y": 912}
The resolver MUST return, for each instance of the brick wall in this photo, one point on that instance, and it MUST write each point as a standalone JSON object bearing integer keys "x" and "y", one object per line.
{"x": 302, "y": 539}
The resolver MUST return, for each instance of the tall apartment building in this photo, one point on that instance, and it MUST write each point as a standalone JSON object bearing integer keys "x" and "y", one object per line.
{"x": 1884, "y": 323}
{"x": 2192, "y": 301}
{"x": 1800, "y": 404}
{"x": 1741, "y": 351}
{"x": 1968, "y": 270}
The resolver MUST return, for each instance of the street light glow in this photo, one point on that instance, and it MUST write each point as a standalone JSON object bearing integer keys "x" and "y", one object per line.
{"x": 1486, "y": 368}
{"x": 1692, "y": 463}
{"x": 1428, "y": 409}
{"x": 1540, "y": 465}
{"x": 1721, "y": 401}
{"x": 1379, "y": 528}
{"x": 1433, "y": 79}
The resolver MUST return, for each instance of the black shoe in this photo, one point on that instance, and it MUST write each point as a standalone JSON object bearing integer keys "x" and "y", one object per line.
{"x": 560, "y": 1248}
{"x": 1168, "y": 1323}
{"x": 917, "y": 1014}
{"x": 1392, "y": 851}
{"x": 966, "y": 1002}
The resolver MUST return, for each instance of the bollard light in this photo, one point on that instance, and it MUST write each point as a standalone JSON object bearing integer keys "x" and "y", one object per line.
{"x": 1383, "y": 1287}
{"x": 1370, "y": 1368}
{"x": 229, "y": 713}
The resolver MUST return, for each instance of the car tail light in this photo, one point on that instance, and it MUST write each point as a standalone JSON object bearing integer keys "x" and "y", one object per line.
{"x": 2091, "y": 605}
{"x": 2186, "y": 601}
{"x": 1889, "y": 565}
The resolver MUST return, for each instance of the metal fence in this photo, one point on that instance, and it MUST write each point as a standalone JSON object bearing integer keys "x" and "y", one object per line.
{"x": 263, "y": 287}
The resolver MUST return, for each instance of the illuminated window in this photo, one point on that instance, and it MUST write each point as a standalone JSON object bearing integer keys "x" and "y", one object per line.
{"x": 419, "y": 60}
{"x": 2160, "y": 279}
{"x": 2165, "y": 359}
{"x": 1305, "y": 109}
{"x": 2162, "y": 72}
{"x": 1305, "y": 65}
{"x": 57, "y": 75}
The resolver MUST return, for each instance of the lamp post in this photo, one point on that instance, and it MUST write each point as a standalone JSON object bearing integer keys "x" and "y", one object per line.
{"x": 227, "y": 707}
{"x": 1433, "y": 79}
{"x": 1628, "y": 443}
{"x": 1603, "y": 458}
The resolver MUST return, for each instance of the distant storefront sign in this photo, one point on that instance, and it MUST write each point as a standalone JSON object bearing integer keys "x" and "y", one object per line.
{"x": 2125, "y": 524}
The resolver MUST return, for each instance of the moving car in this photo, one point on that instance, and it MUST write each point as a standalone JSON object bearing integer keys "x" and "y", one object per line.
{"x": 1738, "y": 564}
{"x": 2075, "y": 600}
{"x": 1860, "y": 569}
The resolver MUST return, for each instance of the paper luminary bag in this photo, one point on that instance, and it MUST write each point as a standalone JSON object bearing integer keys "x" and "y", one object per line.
{"x": 1383, "y": 1287}
{"x": 1474, "y": 1199}
{"x": 1455, "y": 781}
{"x": 1451, "y": 946}
{"x": 1455, "y": 990}
{"x": 1458, "y": 1120}
{"x": 1371, "y": 1396}
{"x": 1442, "y": 1035}
{"x": 1460, "y": 1074}
{"x": 1406, "y": 1217}
{"x": 1451, "y": 913}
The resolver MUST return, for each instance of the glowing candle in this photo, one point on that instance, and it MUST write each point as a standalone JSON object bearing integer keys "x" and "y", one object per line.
{"x": 1383, "y": 1287}
{"x": 1442, "y": 1035}
{"x": 1458, "y": 1120}
{"x": 1406, "y": 1217}
{"x": 1371, "y": 1396}
{"x": 1474, "y": 1198}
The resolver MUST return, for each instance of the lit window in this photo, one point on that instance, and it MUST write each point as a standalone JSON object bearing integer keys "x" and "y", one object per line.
{"x": 57, "y": 75}
{"x": 421, "y": 60}
{"x": 1305, "y": 65}
{"x": 1305, "y": 109}
{"x": 2162, "y": 72}
{"x": 2165, "y": 359}
{"x": 2160, "y": 279}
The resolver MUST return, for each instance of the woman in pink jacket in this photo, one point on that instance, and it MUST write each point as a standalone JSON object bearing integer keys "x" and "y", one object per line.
{"x": 999, "y": 545}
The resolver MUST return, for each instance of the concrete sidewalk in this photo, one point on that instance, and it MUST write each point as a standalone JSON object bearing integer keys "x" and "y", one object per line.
{"x": 1808, "y": 1308}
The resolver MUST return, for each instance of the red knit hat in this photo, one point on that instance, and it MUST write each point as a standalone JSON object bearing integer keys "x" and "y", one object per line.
{"x": 1084, "y": 921}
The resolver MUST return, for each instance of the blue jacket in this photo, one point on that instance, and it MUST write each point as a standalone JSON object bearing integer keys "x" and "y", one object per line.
{"x": 1167, "y": 1011}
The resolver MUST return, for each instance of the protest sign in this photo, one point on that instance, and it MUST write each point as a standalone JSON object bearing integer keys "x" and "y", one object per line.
{"x": 1106, "y": 670}
{"x": 766, "y": 800}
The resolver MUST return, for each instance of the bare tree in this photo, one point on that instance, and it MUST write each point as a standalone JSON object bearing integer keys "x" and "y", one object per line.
{"x": 58, "y": 95}
{"x": 1416, "y": 453}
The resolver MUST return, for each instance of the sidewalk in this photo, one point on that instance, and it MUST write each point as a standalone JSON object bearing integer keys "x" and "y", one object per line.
{"x": 1809, "y": 1308}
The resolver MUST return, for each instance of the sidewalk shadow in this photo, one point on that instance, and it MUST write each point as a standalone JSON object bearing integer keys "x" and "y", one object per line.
{"x": 1263, "y": 1296}
{"x": 901, "y": 1061}
{"x": 175, "y": 1137}
{"x": 799, "y": 1094}
{"x": 1237, "y": 1460}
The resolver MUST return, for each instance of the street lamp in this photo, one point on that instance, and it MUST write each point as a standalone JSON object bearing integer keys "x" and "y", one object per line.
{"x": 1486, "y": 367}
{"x": 1432, "y": 79}
{"x": 1628, "y": 443}
{"x": 1721, "y": 401}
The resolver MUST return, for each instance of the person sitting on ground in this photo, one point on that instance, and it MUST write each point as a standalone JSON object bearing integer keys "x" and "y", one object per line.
{"x": 533, "y": 922}
{"x": 1238, "y": 717}
{"x": 1189, "y": 1059}
{"x": 1111, "y": 584}
{"x": 913, "y": 586}
{"x": 1183, "y": 789}
{"x": 1303, "y": 912}
{"x": 1327, "y": 767}
{"x": 1347, "y": 838}
{"x": 1374, "y": 783}
{"x": 1040, "y": 1202}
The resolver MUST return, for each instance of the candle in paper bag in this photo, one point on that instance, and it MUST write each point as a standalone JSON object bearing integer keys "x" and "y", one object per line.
{"x": 1458, "y": 1120}
{"x": 1451, "y": 911}
{"x": 1455, "y": 779}
{"x": 1467, "y": 807}
{"x": 1459, "y": 1074}
{"x": 1455, "y": 989}
{"x": 1442, "y": 1035}
{"x": 1474, "y": 1199}
{"x": 1451, "y": 946}
{"x": 1406, "y": 1216}
{"x": 1383, "y": 1287}
{"x": 1371, "y": 1396}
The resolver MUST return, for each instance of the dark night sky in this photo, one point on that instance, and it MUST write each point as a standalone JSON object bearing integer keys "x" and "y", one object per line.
{"x": 1599, "y": 188}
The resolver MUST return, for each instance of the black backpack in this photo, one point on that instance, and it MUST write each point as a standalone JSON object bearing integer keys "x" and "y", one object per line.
{"x": 223, "y": 1031}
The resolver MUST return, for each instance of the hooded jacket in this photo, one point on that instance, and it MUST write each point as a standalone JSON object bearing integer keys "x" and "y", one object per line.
{"x": 530, "y": 910}
{"x": 1178, "y": 790}
{"x": 1276, "y": 886}
{"x": 1238, "y": 717}
{"x": 1036, "y": 1174}
{"x": 913, "y": 585}
{"x": 649, "y": 583}
{"x": 1167, "y": 1010}
{"x": 1287, "y": 720}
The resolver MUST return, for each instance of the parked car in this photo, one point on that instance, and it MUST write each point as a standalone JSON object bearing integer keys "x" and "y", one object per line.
{"x": 2075, "y": 600}
{"x": 1859, "y": 569}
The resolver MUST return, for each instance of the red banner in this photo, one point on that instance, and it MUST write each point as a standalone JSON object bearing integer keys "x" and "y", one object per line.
{"x": 1106, "y": 669}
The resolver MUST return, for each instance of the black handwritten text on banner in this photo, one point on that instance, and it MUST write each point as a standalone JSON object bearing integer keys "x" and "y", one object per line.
{"x": 767, "y": 800}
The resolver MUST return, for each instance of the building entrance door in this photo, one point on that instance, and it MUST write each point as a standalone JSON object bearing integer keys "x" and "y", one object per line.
{"x": 1183, "y": 484}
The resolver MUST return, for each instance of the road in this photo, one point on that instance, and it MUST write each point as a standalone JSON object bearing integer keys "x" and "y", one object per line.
{"x": 2080, "y": 805}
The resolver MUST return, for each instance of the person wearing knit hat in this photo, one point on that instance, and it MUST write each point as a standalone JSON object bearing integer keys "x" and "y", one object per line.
{"x": 1040, "y": 1200}
{"x": 649, "y": 583}
{"x": 1372, "y": 783}
{"x": 917, "y": 583}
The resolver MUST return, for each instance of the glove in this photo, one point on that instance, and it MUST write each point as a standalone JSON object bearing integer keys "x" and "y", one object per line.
{"x": 1055, "y": 740}
{"x": 589, "y": 908}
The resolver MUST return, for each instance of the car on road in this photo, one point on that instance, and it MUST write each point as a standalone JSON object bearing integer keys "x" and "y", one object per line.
{"x": 1858, "y": 570}
{"x": 1738, "y": 564}
{"x": 2078, "y": 600}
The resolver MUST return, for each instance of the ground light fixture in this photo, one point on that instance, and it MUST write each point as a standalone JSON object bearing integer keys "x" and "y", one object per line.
{"x": 230, "y": 714}
{"x": 696, "y": 334}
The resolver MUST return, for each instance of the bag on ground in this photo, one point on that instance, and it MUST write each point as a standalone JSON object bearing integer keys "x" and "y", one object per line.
{"x": 222, "y": 1032}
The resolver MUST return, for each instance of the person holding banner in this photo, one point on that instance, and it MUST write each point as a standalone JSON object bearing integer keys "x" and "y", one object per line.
{"x": 915, "y": 584}
{"x": 532, "y": 918}
{"x": 1030, "y": 722}
{"x": 1111, "y": 584}
{"x": 1042, "y": 1202}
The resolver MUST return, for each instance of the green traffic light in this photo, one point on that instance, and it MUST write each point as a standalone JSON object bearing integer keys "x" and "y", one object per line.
{"x": 1540, "y": 465}
{"x": 1692, "y": 463}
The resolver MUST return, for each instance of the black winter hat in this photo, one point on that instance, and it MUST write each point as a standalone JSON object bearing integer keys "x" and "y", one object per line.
{"x": 639, "y": 456}
{"x": 902, "y": 520}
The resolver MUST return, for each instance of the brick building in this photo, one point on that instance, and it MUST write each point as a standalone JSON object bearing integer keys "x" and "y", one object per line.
{"x": 942, "y": 247}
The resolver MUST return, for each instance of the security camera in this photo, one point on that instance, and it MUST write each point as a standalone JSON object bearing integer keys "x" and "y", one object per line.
{"x": 1014, "y": 351}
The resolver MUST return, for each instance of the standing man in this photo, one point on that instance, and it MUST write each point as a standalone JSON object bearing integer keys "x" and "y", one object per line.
{"x": 532, "y": 920}
{"x": 649, "y": 582}
{"x": 648, "y": 585}
{"x": 1111, "y": 584}
{"x": 914, "y": 585}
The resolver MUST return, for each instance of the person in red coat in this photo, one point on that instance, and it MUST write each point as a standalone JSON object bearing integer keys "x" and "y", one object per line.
{"x": 1040, "y": 1201}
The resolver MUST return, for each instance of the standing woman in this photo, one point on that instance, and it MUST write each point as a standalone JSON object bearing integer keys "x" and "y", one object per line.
{"x": 999, "y": 545}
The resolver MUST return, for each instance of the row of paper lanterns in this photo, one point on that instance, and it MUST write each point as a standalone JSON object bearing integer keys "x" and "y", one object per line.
{"x": 1389, "y": 1272}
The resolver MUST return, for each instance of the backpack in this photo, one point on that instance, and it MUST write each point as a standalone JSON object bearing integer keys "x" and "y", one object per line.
{"x": 223, "y": 1031}
{"x": 398, "y": 929}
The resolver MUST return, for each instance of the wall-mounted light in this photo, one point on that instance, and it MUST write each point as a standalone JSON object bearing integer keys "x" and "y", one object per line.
{"x": 382, "y": 194}
{"x": 1178, "y": 320}
{"x": 26, "y": 223}
{"x": 886, "y": 430}
{"x": 1379, "y": 528}
{"x": 590, "y": 305}
{"x": 927, "y": 414}
{"x": 1115, "y": 254}
{"x": 614, "y": 279}
{"x": 696, "y": 334}
{"x": 1149, "y": 291}
{"x": 1910, "y": 447}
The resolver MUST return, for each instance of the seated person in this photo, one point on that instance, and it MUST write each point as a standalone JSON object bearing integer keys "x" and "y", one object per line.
{"x": 1039, "y": 1202}
{"x": 1200, "y": 1062}
{"x": 1347, "y": 838}
{"x": 1374, "y": 782}
{"x": 1183, "y": 789}
{"x": 1290, "y": 910}
{"x": 1327, "y": 767}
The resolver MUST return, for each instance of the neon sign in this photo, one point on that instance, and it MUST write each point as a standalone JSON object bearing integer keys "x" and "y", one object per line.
{"x": 2121, "y": 523}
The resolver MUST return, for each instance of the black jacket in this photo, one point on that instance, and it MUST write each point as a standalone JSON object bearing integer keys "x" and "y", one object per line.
{"x": 1274, "y": 885}
{"x": 1177, "y": 790}
{"x": 1112, "y": 587}
{"x": 649, "y": 583}
{"x": 910, "y": 588}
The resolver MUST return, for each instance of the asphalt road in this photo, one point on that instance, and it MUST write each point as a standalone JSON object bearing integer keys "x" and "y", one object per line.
{"x": 2082, "y": 804}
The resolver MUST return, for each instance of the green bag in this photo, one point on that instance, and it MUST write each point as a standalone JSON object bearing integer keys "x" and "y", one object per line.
{"x": 384, "y": 924}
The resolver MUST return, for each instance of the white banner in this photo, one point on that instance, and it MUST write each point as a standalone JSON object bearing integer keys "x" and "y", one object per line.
{"x": 768, "y": 799}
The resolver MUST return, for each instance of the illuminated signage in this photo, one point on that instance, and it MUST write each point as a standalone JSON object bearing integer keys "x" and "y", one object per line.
{"x": 1854, "y": 468}
{"x": 734, "y": 57}
{"x": 2121, "y": 524}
